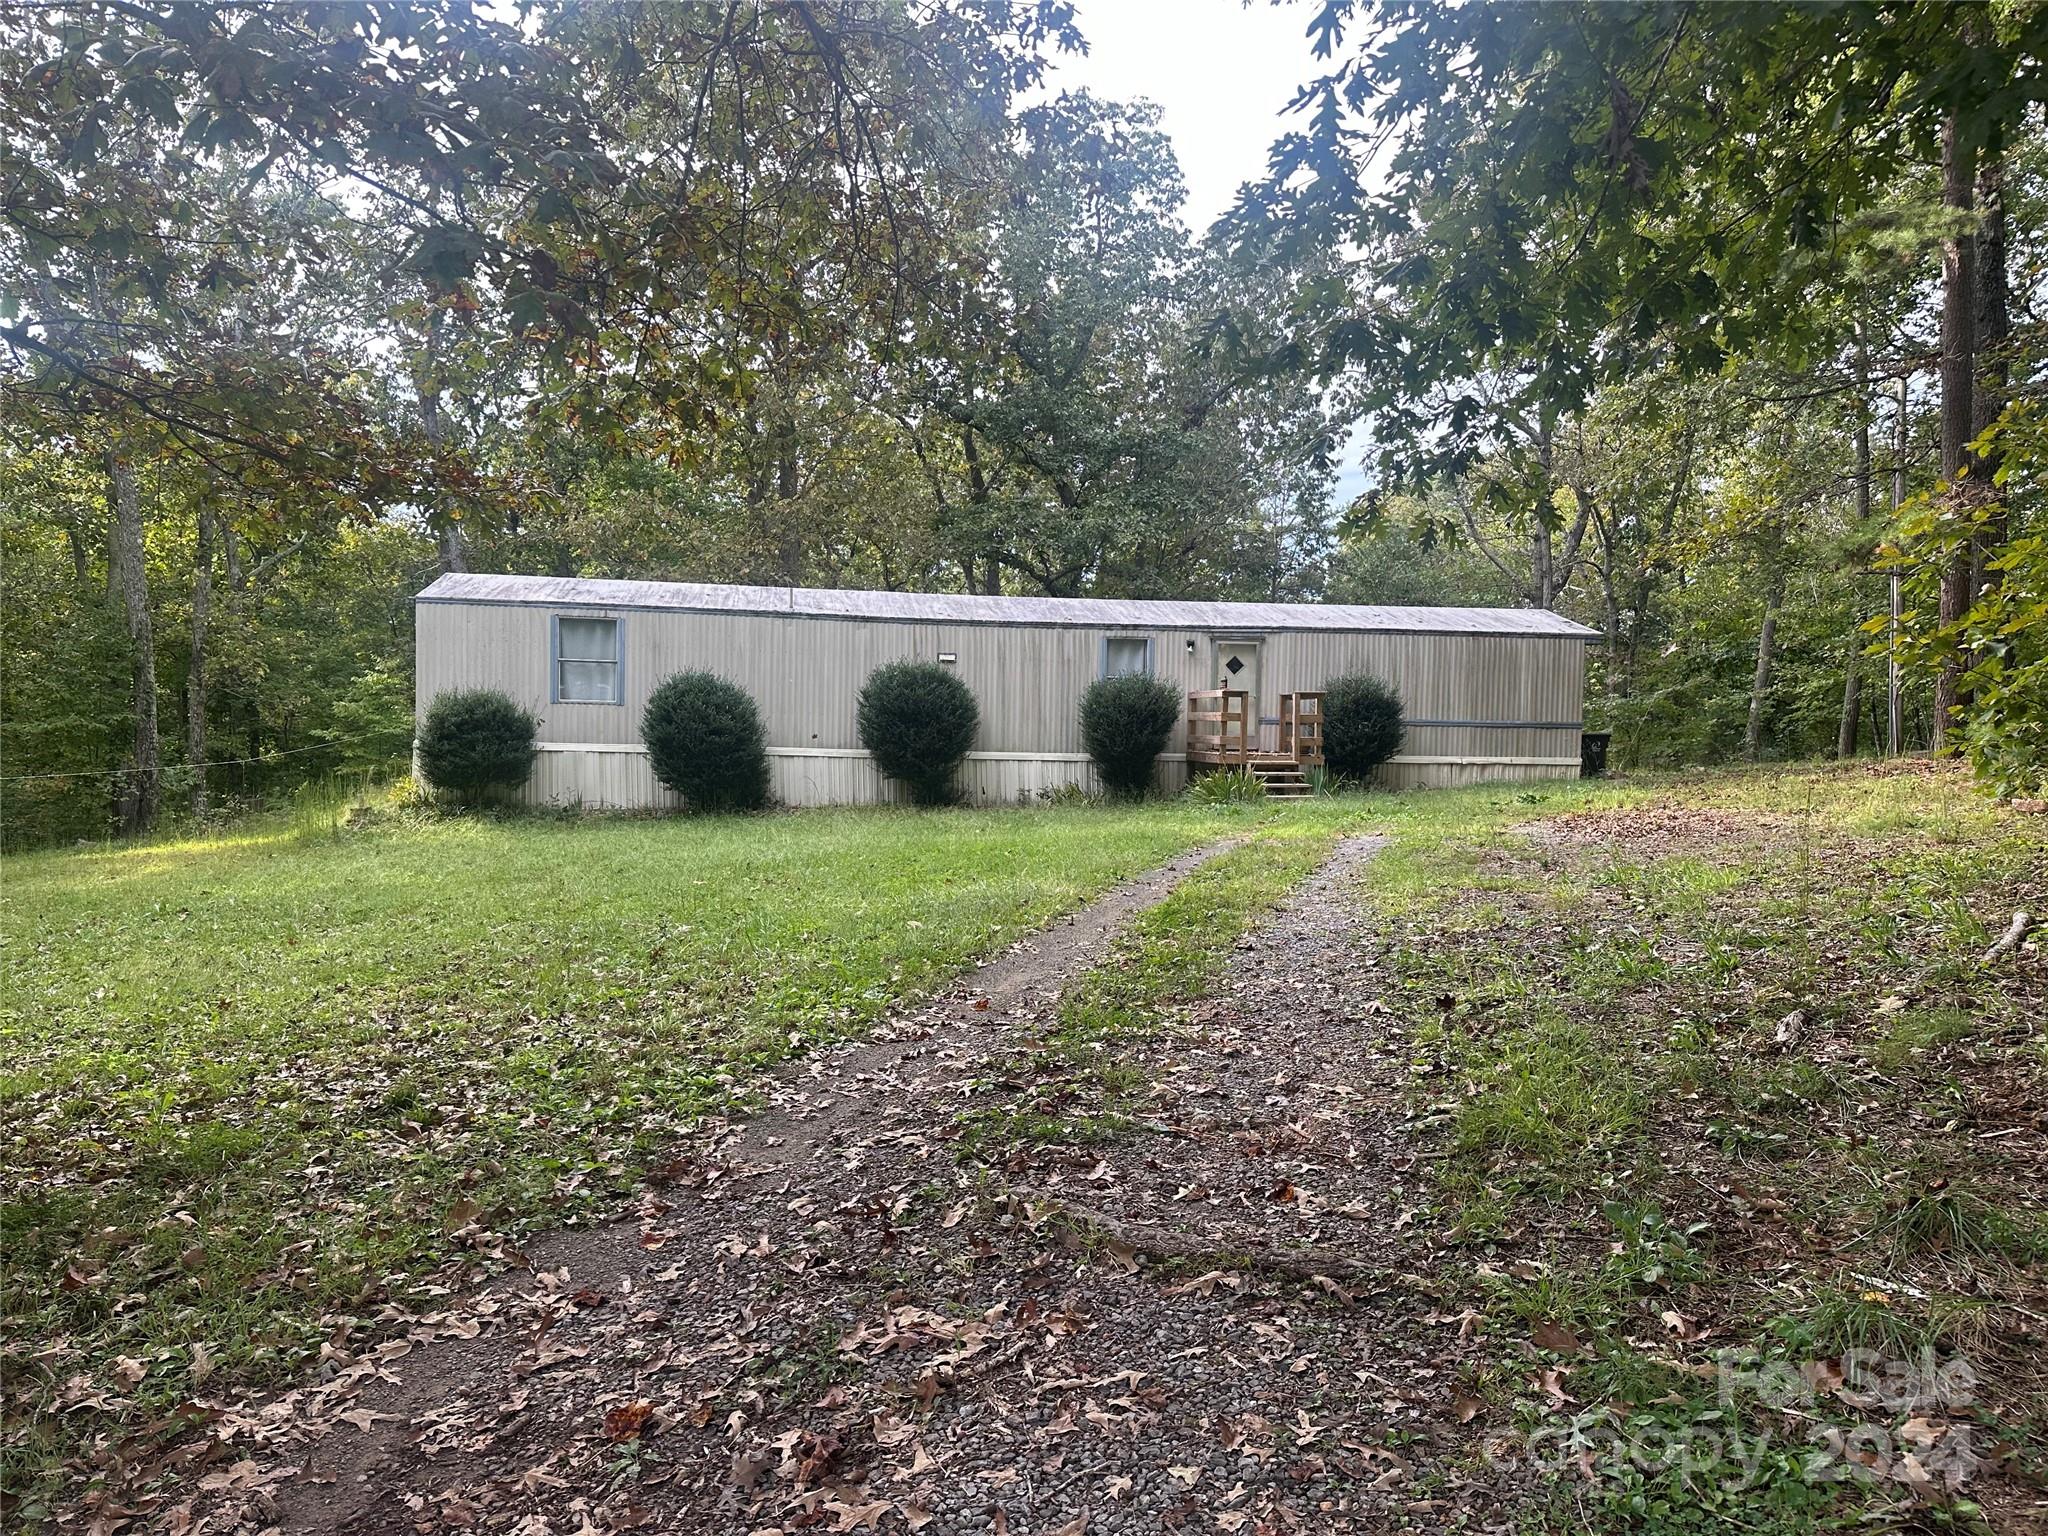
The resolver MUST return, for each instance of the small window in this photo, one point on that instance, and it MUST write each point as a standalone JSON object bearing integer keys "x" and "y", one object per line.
{"x": 587, "y": 665}
{"x": 1127, "y": 656}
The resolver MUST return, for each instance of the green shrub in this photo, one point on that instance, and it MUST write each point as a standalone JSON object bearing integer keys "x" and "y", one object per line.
{"x": 918, "y": 720}
{"x": 705, "y": 738}
{"x": 475, "y": 741}
{"x": 1125, "y": 723}
{"x": 1361, "y": 725}
{"x": 1227, "y": 786}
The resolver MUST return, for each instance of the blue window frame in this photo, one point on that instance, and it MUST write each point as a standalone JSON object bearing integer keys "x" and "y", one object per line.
{"x": 587, "y": 659}
{"x": 1126, "y": 655}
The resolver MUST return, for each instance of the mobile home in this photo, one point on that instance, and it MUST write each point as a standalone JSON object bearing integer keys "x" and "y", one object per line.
{"x": 1487, "y": 693}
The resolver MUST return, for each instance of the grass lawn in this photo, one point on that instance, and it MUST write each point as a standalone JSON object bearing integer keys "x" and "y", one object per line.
{"x": 249, "y": 1084}
{"x": 1725, "y": 1093}
{"x": 1699, "y": 1062}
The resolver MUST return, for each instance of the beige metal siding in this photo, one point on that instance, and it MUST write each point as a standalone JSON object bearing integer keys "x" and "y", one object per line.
{"x": 807, "y": 672}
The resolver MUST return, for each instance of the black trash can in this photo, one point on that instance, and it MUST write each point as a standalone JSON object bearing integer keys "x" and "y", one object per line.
{"x": 1593, "y": 753}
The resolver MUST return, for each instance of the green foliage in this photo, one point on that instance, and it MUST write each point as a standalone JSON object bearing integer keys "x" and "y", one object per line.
{"x": 1398, "y": 564}
{"x": 1226, "y": 786}
{"x": 1105, "y": 416}
{"x": 918, "y": 720}
{"x": 476, "y": 741}
{"x": 1125, "y": 724}
{"x": 2000, "y": 640}
{"x": 1578, "y": 187}
{"x": 373, "y": 724}
{"x": 705, "y": 738}
{"x": 1361, "y": 725}
{"x": 64, "y": 682}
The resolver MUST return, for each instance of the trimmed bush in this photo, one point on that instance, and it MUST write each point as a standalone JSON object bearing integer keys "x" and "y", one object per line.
{"x": 474, "y": 741}
{"x": 705, "y": 738}
{"x": 1125, "y": 724}
{"x": 1361, "y": 725}
{"x": 918, "y": 720}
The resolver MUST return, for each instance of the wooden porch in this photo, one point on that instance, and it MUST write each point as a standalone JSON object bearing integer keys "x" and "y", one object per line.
{"x": 1224, "y": 731}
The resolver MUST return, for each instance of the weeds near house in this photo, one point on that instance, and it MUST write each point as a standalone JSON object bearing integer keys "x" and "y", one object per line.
{"x": 1226, "y": 786}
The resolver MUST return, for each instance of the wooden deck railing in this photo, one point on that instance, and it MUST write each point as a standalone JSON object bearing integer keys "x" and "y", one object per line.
{"x": 1301, "y": 727}
{"x": 1219, "y": 726}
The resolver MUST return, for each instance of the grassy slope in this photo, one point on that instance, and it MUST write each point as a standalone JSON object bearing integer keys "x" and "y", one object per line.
{"x": 1634, "y": 1156}
{"x": 245, "y": 1080}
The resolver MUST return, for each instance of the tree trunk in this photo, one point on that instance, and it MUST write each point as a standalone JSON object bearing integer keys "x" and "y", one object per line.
{"x": 1852, "y": 708}
{"x": 1611, "y": 622}
{"x": 790, "y": 555}
{"x": 1852, "y": 685}
{"x": 428, "y": 380}
{"x": 1993, "y": 340}
{"x": 1895, "y": 691}
{"x": 1542, "y": 567}
{"x": 195, "y": 675}
{"x": 129, "y": 577}
{"x": 81, "y": 557}
{"x": 1958, "y": 389}
{"x": 1766, "y": 644}
{"x": 1862, "y": 431}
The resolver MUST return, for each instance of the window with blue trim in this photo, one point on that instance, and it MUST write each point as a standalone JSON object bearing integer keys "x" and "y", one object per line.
{"x": 1127, "y": 656}
{"x": 587, "y": 661}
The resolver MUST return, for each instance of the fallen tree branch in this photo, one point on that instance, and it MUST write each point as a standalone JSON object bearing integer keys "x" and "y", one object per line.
{"x": 2014, "y": 932}
{"x": 1306, "y": 1264}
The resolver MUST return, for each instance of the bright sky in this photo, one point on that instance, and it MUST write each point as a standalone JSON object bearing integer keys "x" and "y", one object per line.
{"x": 1219, "y": 71}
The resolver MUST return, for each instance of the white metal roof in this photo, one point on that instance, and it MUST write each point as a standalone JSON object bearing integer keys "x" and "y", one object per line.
{"x": 964, "y": 608}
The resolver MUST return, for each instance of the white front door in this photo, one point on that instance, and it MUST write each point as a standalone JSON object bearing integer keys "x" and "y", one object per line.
{"x": 1237, "y": 666}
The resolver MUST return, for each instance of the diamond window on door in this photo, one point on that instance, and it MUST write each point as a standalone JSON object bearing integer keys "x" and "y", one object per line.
{"x": 1234, "y": 666}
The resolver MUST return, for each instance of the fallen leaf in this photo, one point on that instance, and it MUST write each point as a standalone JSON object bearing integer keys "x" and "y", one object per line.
{"x": 1203, "y": 1285}
{"x": 461, "y": 1214}
{"x": 627, "y": 1422}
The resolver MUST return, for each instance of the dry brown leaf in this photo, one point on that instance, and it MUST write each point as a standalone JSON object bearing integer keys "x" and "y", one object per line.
{"x": 461, "y": 1214}
{"x": 628, "y": 1421}
{"x": 1203, "y": 1285}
